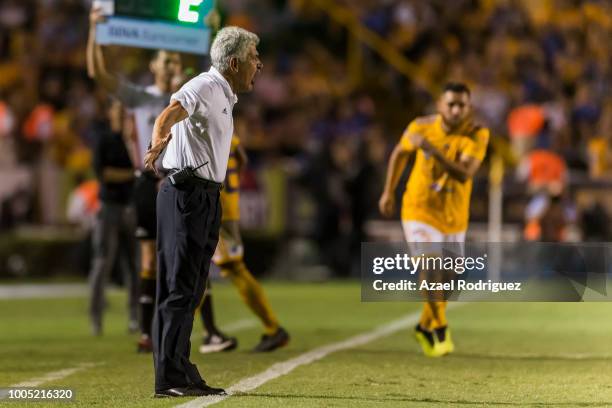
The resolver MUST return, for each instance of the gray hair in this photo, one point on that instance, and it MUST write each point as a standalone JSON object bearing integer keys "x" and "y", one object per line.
{"x": 231, "y": 42}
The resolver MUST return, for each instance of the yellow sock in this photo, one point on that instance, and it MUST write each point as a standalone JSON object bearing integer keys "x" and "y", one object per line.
{"x": 148, "y": 274}
{"x": 426, "y": 316}
{"x": 439, "y": 314}
{"x": 252, "y": 294}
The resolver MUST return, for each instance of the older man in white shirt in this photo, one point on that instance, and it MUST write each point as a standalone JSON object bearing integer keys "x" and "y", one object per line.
{"x": 197, "y": 129}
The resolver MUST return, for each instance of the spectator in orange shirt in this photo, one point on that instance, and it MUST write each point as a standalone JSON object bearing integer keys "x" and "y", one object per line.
{"x": 546, "y": 175}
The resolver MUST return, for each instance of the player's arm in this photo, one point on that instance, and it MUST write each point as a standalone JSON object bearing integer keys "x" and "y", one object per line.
{"x": 469, "y": 160}
{"x": 397, "y": 163}
{"x": 171, "y": 115}
{"x": 462, "y": 170}
{"x": 96, "y": 67}
{"x": 241, "y": 157}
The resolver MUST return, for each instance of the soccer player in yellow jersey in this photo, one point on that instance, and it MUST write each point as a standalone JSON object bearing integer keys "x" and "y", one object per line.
{"x": 228, "y": 257}
{"x": 449, "y": 149}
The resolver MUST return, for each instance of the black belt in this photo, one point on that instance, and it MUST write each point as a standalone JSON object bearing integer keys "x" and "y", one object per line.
{"x": 207, "y": 184}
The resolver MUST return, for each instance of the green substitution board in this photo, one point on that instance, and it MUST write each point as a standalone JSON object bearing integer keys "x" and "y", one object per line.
{"x": 179, "y": 11}
{"x": 178, "y": 25}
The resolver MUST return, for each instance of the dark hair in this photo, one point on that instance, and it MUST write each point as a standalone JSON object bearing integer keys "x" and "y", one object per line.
{"x": 457, "y": 87}
{"x": 155, "y": 54}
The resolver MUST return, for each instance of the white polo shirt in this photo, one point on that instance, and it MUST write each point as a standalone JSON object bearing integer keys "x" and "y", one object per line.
{"x": 206, "y": 135}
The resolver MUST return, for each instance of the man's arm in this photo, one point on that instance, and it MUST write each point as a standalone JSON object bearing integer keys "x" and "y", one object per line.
{"x": 397, "y": 163}
{"x": 96, "y": 67}
{"x": 171, "y": 115}
{"x": 461, "y": 170}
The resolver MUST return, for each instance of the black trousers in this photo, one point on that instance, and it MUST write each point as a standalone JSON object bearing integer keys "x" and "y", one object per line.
{"x": 188, "y": 221}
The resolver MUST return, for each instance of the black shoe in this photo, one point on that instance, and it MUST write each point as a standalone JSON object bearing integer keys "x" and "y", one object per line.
{"x": 144, "y": 345}
{"x": 208, "y": 389}
{"x": 189, "y": 391}
{"x": 218, "y": 342}
{"x": 274, "y": 341}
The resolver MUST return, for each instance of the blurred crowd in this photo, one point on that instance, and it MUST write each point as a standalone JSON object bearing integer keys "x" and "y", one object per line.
{"x": 327, "y": 109}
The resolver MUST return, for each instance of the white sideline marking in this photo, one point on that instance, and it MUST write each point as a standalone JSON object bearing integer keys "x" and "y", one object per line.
{"x": 28, "y": 291}
{"x": 239, "y": 325}
{"x": 285, "y": 367}
{"x": 49, "y": 291}
{"x": 537, "y": 356}
{"x": 53, "y": 376}
{"x": 232, "y": 327}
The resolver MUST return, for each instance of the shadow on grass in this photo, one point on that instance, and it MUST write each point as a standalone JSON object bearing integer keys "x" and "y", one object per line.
{"x": 535, "y": 357}
{"x": 493, "y": 356}
{"x": 394, "y": 397}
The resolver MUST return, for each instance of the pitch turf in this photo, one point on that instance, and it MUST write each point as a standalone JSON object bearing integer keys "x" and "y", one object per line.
{"x": 507, "y": 354}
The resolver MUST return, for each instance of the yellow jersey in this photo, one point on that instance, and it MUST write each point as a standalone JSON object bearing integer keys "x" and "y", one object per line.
{"x": 597, "y": 148}
{"x": 230, "y": 194}
{"x": 432, "y": 196}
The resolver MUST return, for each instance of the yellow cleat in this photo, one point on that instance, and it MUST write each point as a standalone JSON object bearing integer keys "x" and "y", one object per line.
{"x": 451, "y": 346}
{"x": 447, "y": 346}
{"x": 430, "y": 346}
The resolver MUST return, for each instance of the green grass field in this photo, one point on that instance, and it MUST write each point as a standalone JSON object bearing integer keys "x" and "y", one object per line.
{"x": 538, "y": 354}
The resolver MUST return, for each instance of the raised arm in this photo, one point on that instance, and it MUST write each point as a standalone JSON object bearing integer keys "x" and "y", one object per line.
{"x": 171, "y": 115}
{"x": 96, "y": 67}
{"x": 397, "y": 163}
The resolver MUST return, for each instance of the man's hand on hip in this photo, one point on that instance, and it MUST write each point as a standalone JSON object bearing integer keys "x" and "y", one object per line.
{"x": 154, "y": 152}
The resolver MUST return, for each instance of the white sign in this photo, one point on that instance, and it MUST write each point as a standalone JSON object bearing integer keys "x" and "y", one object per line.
{"x": 154, "y": 35}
